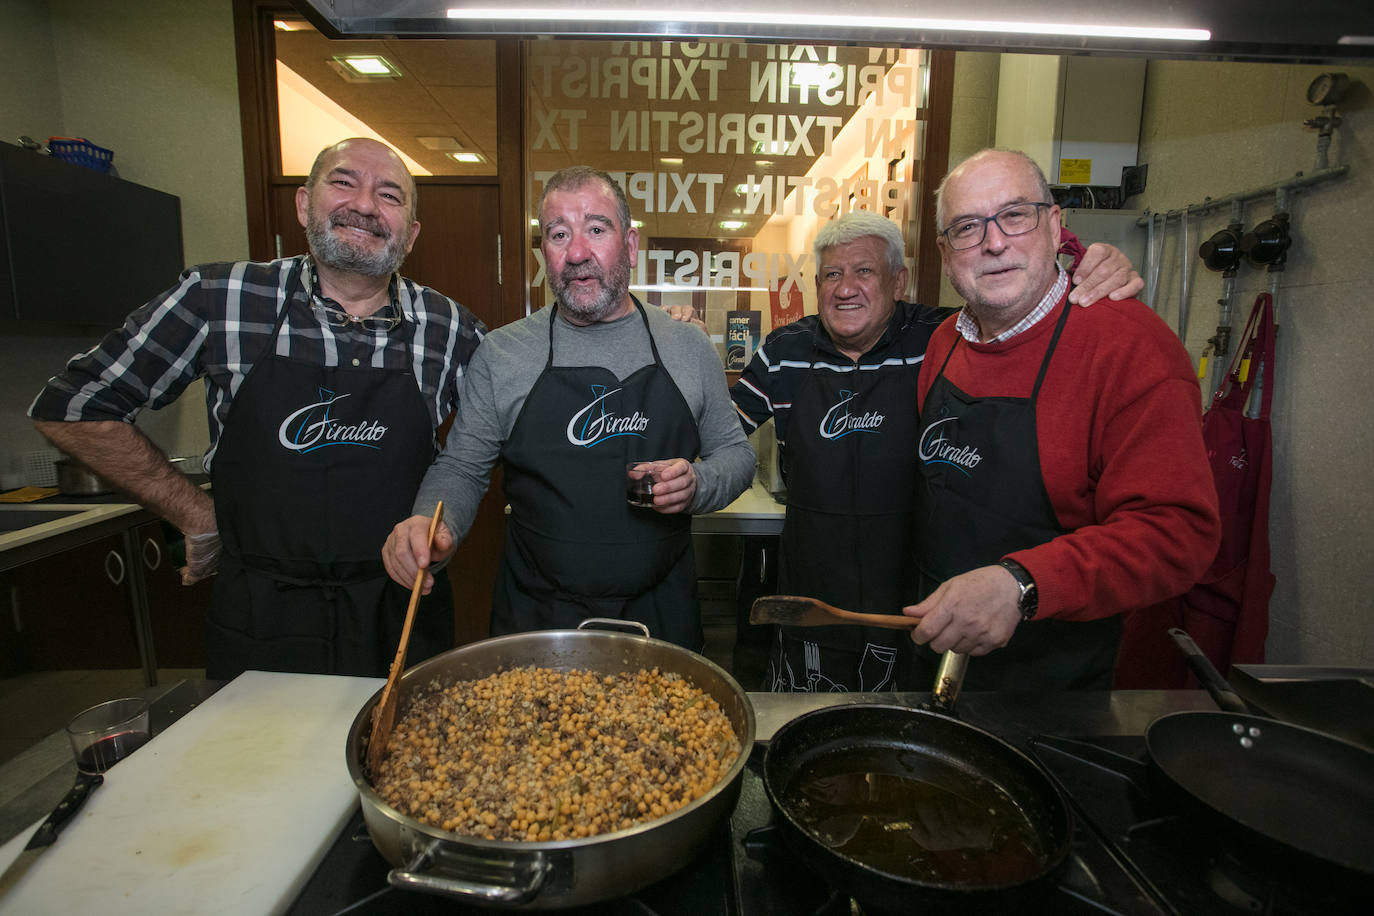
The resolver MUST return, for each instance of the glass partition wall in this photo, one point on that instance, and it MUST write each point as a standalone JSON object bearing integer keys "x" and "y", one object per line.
{"x": 732, "y": 155}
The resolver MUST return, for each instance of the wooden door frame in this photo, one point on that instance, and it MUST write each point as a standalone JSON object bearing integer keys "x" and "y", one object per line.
{"x": 255, "y": 55}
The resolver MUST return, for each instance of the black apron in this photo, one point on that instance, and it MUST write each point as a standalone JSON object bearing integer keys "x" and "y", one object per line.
{"x": 851, "y": 479}
{"x": 575, "y": 548}
{"x": 314, "y": 467}
{"x": 983, "y": 498}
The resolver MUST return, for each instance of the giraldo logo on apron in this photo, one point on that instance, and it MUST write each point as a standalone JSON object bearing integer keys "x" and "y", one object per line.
{"x": 314, "y": 426}
{"x": 597, "y": 423}
{"x": 937, "y": 449}
{"x": 838, "y": 422}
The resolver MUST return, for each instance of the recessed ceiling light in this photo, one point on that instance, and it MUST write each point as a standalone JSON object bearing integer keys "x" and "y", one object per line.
{"x": 637, "y": 223}
{"x": 439, "y": 143}
{"x": 763, "y": 163}
{"x": 466, "y": 157}
{"x": 732, "y": 224}
{"x": 670, "y": 160}
{"x": 534, "y": 221}
{"x": 368, "y": 66}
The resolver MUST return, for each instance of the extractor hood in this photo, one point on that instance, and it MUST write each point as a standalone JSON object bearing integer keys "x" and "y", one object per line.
{"x": 1314, "y": 31}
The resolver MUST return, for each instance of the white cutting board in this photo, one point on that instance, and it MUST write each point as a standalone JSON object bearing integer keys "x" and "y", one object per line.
{"x": 227, "y": 811}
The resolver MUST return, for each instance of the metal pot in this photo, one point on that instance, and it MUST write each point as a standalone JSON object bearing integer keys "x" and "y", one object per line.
{"x": 77, "y": 480}
{"x": 559, "y": 874}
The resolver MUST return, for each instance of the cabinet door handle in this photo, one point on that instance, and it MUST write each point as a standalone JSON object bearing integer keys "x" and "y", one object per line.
{"x": 152, "y": 553}
{"x": 114, "y": 567}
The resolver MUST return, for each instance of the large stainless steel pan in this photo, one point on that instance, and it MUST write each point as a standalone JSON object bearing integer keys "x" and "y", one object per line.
{"x": 551, "y": 875}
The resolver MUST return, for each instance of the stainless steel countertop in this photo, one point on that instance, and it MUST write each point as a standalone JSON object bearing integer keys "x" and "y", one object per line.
{"x": 755, "y": 512}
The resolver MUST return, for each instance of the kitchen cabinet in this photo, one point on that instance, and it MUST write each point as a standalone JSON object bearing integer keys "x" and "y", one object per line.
{"x": 70, "y": 611}
{"x": 78, "y": 246}
{"x": 176, "y": 612}
{"x": 102, "y": 592}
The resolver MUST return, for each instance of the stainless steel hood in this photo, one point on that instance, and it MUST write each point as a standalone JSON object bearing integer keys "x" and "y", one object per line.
{"x": 1313, "y": 31}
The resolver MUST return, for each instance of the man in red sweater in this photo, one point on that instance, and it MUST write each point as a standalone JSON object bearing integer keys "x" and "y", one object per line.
{"x": 1065, "y": 479}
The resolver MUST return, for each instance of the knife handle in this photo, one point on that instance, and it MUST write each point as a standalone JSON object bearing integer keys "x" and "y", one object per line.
{"x": 46, "y": 835}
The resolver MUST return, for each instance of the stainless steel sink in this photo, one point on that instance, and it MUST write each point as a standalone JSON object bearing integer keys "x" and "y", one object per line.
{"x": 17, "y": 518}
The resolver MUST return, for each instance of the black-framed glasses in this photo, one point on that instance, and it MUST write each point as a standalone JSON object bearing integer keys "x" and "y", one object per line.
{"x": 336, "y": 317}
{"x": 1018, "y": 219}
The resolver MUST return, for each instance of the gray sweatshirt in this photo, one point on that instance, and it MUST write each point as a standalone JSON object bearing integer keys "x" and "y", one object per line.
{"x": 510, "y": 359}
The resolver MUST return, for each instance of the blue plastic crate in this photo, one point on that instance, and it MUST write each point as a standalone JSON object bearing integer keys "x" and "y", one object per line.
{"x": 80, "y": 151}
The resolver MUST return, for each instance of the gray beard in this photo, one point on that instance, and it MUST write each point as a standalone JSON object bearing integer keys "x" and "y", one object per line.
{"x": 332, "y": 251}
{"x": 598, "y": 307}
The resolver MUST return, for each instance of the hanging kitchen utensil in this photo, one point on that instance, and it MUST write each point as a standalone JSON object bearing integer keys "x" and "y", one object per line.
{"x": 385, "y": 716}
{"x": 799, "y": 611}
{"x": 1288, "y": 799}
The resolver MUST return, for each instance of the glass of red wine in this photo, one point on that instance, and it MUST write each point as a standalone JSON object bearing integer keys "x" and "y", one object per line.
{"x": 105, "y": 734}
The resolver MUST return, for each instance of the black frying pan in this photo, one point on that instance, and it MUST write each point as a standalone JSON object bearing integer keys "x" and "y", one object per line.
{"x": 1300, "y": 801}
{"x": 911, "y": 810}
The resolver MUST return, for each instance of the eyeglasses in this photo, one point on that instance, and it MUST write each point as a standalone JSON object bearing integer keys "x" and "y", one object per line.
{"x": 338, "y": 318}
{"x": 1018, "y": 219}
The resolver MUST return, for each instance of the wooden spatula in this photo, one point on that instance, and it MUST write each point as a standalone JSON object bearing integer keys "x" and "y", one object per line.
{"x": 797, "y": 611}
{"x": 384, "y": 717}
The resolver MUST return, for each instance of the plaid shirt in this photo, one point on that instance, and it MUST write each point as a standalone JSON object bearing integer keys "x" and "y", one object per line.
{"x": 217, "y": 321}
{"x": 967, "y": 325}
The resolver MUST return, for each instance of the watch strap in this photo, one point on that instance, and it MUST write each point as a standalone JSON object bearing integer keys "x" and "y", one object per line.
{"x": 1029, "y": 601}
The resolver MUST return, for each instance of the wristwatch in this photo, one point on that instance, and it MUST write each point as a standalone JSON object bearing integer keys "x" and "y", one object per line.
{"x": 1030, "y": 596}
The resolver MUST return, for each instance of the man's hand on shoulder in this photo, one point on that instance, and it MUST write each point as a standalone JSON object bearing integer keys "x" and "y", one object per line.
{"x": 685, "y": 313}
{"x": 1104, "y": 272}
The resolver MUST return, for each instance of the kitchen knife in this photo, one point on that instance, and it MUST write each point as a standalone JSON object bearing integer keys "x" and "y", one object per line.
{"x": 47, "y": 833}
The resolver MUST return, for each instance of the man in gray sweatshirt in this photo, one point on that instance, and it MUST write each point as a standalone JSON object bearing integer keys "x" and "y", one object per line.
{"x": 566, "y": 399}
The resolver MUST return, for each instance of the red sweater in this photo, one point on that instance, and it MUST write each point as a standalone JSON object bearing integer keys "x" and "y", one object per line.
{"x": 1119, "y": 425}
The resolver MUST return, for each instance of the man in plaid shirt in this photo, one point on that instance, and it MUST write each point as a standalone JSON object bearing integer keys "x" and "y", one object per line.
{"x": 326, "y": 376}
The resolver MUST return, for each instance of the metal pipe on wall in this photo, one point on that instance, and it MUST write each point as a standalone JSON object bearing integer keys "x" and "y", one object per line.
{"x": 1185, "y": 262}
{"x": 1297, "y": 182}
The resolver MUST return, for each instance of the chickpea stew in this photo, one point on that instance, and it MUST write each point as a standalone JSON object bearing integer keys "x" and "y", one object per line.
{"x": 533, "y": 754}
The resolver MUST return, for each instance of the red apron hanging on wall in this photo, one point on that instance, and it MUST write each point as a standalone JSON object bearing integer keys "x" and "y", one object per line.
{"x": 1227, "y": 612}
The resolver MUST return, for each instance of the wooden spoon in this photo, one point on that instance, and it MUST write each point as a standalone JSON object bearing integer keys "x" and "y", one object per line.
{"x": 797, "y": 611}
{"x": 384, "y": 717}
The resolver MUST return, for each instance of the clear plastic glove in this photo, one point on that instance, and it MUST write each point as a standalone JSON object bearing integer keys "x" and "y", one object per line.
{"x": 202, "y": 557}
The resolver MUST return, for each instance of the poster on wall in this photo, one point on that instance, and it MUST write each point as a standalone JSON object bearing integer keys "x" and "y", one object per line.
{"x": 741, "y": 338}
{"x": 784, "y": 307}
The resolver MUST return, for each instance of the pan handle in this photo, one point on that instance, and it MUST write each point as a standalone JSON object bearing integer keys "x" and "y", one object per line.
{"x": 948, "y": 680}
{"x": 1207, "y": 673}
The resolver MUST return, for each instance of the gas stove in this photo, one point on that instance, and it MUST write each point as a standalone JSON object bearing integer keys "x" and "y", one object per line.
{"x": 1131, "y": 856}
